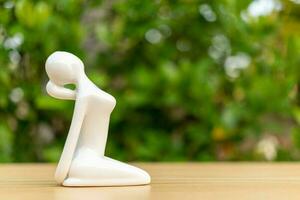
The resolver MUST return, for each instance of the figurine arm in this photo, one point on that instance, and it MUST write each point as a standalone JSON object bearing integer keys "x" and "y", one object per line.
{"x": 71, "y": 142}
{"x": 60, "y": 92}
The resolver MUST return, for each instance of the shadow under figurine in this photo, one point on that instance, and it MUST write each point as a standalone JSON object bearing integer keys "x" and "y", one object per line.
{"x": 82, "y": 162}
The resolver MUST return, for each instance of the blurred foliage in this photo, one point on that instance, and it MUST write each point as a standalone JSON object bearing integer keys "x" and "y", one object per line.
{"x": 194, "y": 79}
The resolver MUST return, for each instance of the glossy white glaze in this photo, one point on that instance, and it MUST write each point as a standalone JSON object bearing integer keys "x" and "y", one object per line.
{"x": 82, "y": 162}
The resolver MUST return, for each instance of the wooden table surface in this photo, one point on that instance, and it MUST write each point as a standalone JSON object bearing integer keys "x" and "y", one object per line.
{"x": 169, "y": 181}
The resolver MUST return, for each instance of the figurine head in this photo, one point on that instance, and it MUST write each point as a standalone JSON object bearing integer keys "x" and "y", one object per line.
{"x": 64, "y": 68}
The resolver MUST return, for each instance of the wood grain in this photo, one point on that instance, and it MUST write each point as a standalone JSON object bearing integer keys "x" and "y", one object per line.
{"x": 169, "y": 181}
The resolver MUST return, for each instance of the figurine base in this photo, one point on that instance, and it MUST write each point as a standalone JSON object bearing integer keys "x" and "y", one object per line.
{"x": 73, "y": 182}
{"x": 104, "y": 171}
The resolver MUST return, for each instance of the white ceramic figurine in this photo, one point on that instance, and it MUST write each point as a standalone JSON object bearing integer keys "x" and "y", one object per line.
{"x": 82, "y": 162}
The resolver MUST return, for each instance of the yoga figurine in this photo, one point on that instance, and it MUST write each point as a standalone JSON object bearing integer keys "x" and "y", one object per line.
{"x": 82, "y": 162}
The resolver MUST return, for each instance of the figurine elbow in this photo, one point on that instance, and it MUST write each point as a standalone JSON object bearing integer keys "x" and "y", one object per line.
{"x": 60, "y": 92}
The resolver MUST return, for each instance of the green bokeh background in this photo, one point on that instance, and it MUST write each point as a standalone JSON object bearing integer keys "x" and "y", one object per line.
{"x": 194, "y": 80}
